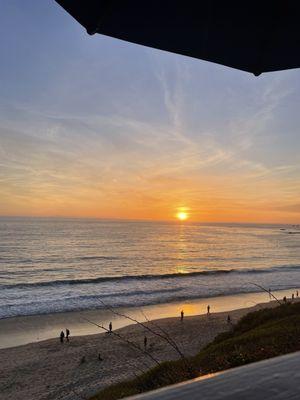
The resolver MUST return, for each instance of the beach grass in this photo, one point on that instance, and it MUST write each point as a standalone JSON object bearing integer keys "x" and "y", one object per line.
{"x": 257, "y": 336}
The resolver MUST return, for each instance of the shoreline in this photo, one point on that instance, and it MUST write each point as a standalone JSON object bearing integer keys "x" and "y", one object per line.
{"x": 22, "y": 330}
{"x": 58, "y": 370}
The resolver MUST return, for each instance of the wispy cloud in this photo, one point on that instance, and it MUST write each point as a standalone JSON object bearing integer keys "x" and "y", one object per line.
{"x": 111, "y": 129}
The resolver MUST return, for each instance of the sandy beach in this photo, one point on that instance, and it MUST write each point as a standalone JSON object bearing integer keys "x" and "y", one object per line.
{"x": 16, "y": 331}
{"x": 51, "y": 370}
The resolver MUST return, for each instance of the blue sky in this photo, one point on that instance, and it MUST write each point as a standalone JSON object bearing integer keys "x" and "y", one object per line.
{"x": 93, "y": 126}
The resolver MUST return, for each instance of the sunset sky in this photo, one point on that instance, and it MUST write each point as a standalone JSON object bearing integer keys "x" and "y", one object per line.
{"x": 96, "y": 127}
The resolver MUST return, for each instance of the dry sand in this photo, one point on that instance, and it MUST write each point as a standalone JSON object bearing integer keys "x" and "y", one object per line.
{"x": 51, "y": 370}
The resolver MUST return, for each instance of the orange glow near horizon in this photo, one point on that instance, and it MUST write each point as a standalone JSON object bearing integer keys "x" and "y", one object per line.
{"x": 153, "y": 191}
{"x": 137, "y": 206}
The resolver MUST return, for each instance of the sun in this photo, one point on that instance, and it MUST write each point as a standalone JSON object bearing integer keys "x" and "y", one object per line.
{"x": 182, "y": 216}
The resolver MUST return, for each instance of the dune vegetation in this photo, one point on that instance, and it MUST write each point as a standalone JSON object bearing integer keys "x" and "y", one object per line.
{"x": 257, "y": 336}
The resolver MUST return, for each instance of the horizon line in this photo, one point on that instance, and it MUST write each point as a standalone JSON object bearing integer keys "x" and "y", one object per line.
{"x": 119, "y": 219}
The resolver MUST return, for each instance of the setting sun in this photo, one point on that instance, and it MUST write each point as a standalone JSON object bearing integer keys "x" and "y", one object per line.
{"x": 182, "y": 216}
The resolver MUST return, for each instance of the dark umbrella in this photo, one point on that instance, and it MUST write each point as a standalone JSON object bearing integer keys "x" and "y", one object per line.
{"x": 255, "y": 36}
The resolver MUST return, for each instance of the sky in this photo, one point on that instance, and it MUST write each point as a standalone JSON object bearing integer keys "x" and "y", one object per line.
{"x": 92, "y": 126}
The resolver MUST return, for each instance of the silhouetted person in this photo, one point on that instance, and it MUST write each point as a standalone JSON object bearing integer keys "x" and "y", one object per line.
{"x": 208, "y": 310}
{"x": 228, "y": 319}
{"x": 67, "y": 334}
{"x": 284, "y": 299}
{"x": 145, "y": 342}
{"x": 99, "y": 357}
{"x": 181, "y": 315}
{"x": 270, "y": 296}
{"x": 293, "y": 296}
{"x": 110, "y": 327}
{"x": 62, "y": 335}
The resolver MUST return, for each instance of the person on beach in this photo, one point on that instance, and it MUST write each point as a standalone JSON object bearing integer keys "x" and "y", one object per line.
{"x": 293, "y": 296}
{"x": 270, "y": 296}
{"x": 284, "y": 299}
{"x": 99, "y": 357}
{"x": 181, "y": 315}
{"x": 62, "y": 335}
{"x": 67, "y": 334}
{"x": 110, "y": 327}
{"x": 228, "y": 319}
{"x": 208, "y": 309}
{"x": 145, "y": 342}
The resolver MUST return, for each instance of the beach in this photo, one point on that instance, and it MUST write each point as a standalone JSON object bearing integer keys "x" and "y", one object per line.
{"x": 55, "y": 274}
{"x": 21, "y": 330}
{"x": 52, "y": 370}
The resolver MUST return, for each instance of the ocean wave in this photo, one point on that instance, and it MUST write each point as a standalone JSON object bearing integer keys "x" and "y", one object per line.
{"x": 88, "y": 302}
{"x": 129, "y": 294}
{"x": 53, "y": 259}
{"x": 89, "y": 258}
{"x": 151, "y": 277}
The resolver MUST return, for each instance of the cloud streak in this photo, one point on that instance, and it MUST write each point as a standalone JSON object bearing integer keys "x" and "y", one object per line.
{"x": 116, "y": 130}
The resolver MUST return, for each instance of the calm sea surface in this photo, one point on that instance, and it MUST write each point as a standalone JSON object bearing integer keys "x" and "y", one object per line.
{"x": 52, "y": 265}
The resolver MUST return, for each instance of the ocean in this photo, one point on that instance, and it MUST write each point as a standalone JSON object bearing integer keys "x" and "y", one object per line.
{"x": 53, "y": 264}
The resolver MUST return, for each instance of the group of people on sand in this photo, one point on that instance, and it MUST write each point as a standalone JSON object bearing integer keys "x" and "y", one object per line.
{"x": 63, "y": 335}
{"x": 182, "y": 313}
{"x": 271, "y": 296}
{"x": 293, "y": 297}
{"x": 66, "y": 335}
{"x": 208, "y": 313}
